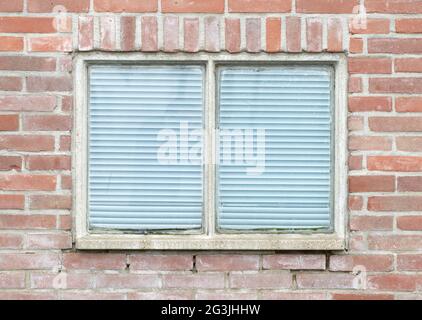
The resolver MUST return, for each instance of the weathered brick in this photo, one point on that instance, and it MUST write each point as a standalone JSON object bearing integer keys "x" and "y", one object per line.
{"x": 269, "y": 6}
{"x": 369, "y": 262}
{"x": 140, "y": 6}
{"x": 149, "y": 34}
{"x": 294, "y": 262}
{"x": 227, "y": 262}
{"x": 192, "y": 6}
{"x": 86, "y": 33}
{"x": 27, "y": 142}
{"x": 253, "y": 34}
{"x": 26, "y": 63}
{"x": 261, "y": 280}
{"x": 325, "y": 281}
{"x": 48, "y": 241}
{"x": 171, "y": 33}
{"x": 314, "y": 34}
{"x": 94, "y": 261}
{"x": 212, "y": 34}
{"x": 191, "y": 34}
{"x": 370, "y": 143}
{"x": 395, "y": 203}
{"x": 24, "y": 222}
{"x": 198, "y": 280}
{"x": 28, "y": 261}
{"x": 335, "y": 35}
{"x": 168, "y": 262}
{"x": 293, "y": 32}
{"x": 50, "y": 202}
{"x": 232, "y": 33}
{"x": 395, "y": 45}
{"x": 409, "y": 262}
{"x": 47, "y": 123}
{"x": 128, "y": 32}
{"x": 371, "y": 223}
{"x": 395, "y": 124}
{"x": 51, "y": 83}
{"x": 394, "y": 163}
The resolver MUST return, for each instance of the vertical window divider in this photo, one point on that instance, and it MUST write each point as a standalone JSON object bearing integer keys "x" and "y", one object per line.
{"x": 209, "y": 149}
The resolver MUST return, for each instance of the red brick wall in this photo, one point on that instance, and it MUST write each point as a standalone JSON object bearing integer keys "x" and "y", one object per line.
{"x": 37, "y": 257}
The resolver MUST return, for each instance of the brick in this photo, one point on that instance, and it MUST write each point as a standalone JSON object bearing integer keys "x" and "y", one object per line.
{"x": 395, "y": 124}
{"x": 253, "y": 34}
{"x": 370, "y": 143}
{"x": 48, "y": 6}
{"x": 198, "y": 280}
{"x": 28, "y": 261}
{"x": 293, "y": 32}
{"x": 8, "y": 163}
{"x": 149, "y": 34}
{"x": 140, "y": 6}
{"x": 314, "y": 34}
{"x": 9, "y": 122}
{"x": 48, "y": 241}
{"x": 23, "y": 182}
{"x": 408, "y": 65}
{"x": 27, "y": 25}
{"x": 171, "y": 33}
{"x": 355, "y": 202}
{"x": 11, "y": 6}
{"x": 225, "y": 295}
{"x": 25, "y": 222}
{"x": 355, "y": 123}
{"x": 373, "y": 26}
{"x": 395, "y": 203}
{"x": 150, "y": 262}
{"x": 261, "y": 280}
{"x": 356, "y": 45}
{"x": 128, "y": 33}
{"x": 413, "y": 144}
{"x": 86, "y": 33}
{"x": 51, "y": 83}
{"x": 371, "y": 183}
{"x": 355, "y": 85}
{"x": 8, "y": 43}
{"x": 191, "y": 34}
{"x": 362, "y": 296}
{"x": 413, "y": 184}
{"x": 232, "y": 34}
{"x": 48, "y": 163}
{"x": 409, "y": 25}
{"x": 393, "y": 282}
{"x": 394, "y": 6}
{"x": 409, "y": 262}
{"x": 360, "y": 104}
{"x": 325, "y": 281}
{"x": 411, "y": 223}
{"x": 335, "y": 35}
{"x": 355, "y": 162}
{"x": 65, "y": 143}
{"x": 47, "y": 123}
{"x": 94, "y": 261}
{"x": 50, "y": 202}
{"x": 10, "y": 83}
{"x": 26, "y": 63}
{"x": 394, "y": 242}
{"x": 227, "y": 262}
{"x": 294, "y": 261}
{"x": 269, "y": 6}
{"x": 91, "y": 295}
{"x": 51, "y": 44}
{"x": 161, "y": 295}
{"x": 50, "y": 280}
{"x": 192, "y": 6}
{"x": 279, "y": 295}
{"x": 65, "y": 64}
{"x": 27, "y": 143}
{"x": 409, "y": 104}
{"x": 11, "y": 201}
{"x": 67, "y": 103}
{"x": 65, "y": 222}
{"x": 371, "y": 223}
{"x": 369, "y": 262}
{"x": 108, "y": 33}
{"x": 395, "y": 85}
{"x": 212, "y": 34}
{"x": 11, "y": 241}
{"x": 394, "y": 163}
{"x": 395, "y": 45}
{"x": 127, "y": 281}
{"x": 326, "y": 6}
{"x": 370, "y": 65}
{"x": 273, "y": 34}
{"x": 12, "y": 280}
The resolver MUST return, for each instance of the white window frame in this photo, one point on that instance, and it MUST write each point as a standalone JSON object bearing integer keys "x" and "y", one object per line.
{"x": 211, "y": 239}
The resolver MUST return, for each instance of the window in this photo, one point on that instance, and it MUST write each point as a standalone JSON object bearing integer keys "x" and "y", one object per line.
{"x": 242, "y": 152}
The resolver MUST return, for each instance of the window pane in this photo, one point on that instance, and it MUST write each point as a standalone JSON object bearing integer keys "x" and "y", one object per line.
{"x": 145, "y": 147}
{"x": 274, "y": 148}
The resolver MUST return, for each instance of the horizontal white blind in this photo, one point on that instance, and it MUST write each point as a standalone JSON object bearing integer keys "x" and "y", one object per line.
{"x": 143, "y": 121}
{"x": 275, "y": 148}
